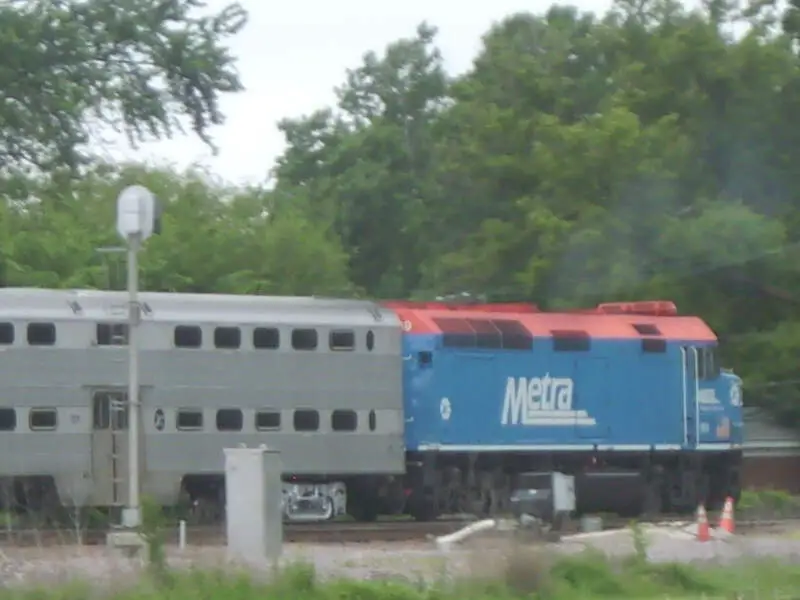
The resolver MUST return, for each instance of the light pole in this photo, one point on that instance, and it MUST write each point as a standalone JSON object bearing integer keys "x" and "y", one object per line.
{"x": 136, "y": 220}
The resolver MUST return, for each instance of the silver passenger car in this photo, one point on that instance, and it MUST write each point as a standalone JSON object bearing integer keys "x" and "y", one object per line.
{"x": 318, "y": 379}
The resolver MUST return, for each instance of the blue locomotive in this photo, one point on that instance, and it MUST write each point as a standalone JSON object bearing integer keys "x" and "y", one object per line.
{"x": 628, "y": 397}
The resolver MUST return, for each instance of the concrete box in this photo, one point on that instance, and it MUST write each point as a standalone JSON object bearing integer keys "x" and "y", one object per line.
{"x": 253, "y": 495}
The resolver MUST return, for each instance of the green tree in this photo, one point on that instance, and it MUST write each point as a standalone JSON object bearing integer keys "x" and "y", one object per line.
{"x": 72, "y": 67}
{"x": 215, "y": 238}
{"x": 366, "y": 165}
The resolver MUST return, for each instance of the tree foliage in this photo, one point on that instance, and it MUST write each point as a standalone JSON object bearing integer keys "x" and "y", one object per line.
{"x": 649, "y": 152}
{"x": 214, "y": 238}
{"x": 72, "y": 66}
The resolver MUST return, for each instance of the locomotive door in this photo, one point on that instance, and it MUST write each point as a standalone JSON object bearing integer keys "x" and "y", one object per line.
{"x": 690, "y": 361}
{"x": 463, "y": 421}
{"x": 110, "y": 447}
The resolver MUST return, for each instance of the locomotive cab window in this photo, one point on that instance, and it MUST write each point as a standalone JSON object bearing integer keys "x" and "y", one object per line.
{"x": 304, "y": 339}
{"x": 189, "y": 420}
{"x": 342, "y": 340}
{"x": 42, "y": 419}
{"x": 306, "y": 420}
{"x": 708, "y": 367}
{"x": 8, "y": 419}
{"x": 41, "y": 334}
{"x": 227, "y": 338}
{"x": 6, "y": 334}
{"x": 268, "y": 420}
{"x": 111, "y": 334}
{"x": 708, "y": 362}
{"x": 267, "y": 338}
{"x": 229, "y": 419}
{"x": 344, "y": 420}
{"x": 188, "y": 336}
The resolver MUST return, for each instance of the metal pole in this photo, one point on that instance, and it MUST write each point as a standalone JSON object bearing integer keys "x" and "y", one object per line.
{"x": 133, "y": 517}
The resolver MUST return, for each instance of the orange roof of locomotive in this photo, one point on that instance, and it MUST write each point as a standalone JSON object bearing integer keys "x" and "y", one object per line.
{"x": 606, "y": 321}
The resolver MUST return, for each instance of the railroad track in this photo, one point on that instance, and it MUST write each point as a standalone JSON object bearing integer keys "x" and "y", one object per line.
{"x": 208, "y": 535}
{"x": 333, "y": 533}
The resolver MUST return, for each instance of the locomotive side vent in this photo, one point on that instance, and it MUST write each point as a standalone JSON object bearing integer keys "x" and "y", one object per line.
{"x": 571, "y": 340}
{"x": 654, "y": 345}
{"x": 456, "y": 333}
{"x": 484, "y": 333}
{"x": 515, "y": 335}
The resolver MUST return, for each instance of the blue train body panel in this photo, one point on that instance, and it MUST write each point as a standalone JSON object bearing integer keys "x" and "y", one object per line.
{"x": 614, "y": 396}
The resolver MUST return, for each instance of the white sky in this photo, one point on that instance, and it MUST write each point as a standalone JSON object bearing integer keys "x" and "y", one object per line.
{"x": 291, "y": 56}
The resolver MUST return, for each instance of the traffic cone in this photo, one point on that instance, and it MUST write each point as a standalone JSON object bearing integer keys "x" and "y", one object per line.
{"x": 703, "y": 530}
{"x": 726, "y": 522}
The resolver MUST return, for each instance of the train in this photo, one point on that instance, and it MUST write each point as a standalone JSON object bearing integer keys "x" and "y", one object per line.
{"x": 376, "y": 408}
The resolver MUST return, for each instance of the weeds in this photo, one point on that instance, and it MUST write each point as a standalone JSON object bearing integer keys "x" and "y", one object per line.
{"x": 639, "y": 543}
{"x": 535, "y": 572}
{"x": 766, "y": 504}
{"x": 528, "y": 572}
{"x": 152, "y": 530}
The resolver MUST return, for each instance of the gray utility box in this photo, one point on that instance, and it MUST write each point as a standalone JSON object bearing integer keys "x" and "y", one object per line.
{"x": 253, "y": 497}
{"x": 548, "y": 496}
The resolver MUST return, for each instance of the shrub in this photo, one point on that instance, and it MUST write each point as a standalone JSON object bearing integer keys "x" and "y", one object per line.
{"x": 528, "y": 570}
{"x": 765, "y": 504}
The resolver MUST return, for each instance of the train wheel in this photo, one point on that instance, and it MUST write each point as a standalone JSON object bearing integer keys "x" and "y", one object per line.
{"x": 363, "y": 509}
{"x": 653, "y": 503}
{"x": 422, "y": 507}
{"x": 328, "y": 512}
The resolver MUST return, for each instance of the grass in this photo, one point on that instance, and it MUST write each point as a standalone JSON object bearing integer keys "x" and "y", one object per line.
{"x": 524, "y": 573}
{"x": 592, "y": 575}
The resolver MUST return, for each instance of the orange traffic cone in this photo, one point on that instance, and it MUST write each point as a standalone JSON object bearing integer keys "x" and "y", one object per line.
{"x": 726, "y": 522}
{"x": 703, "y": 530}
